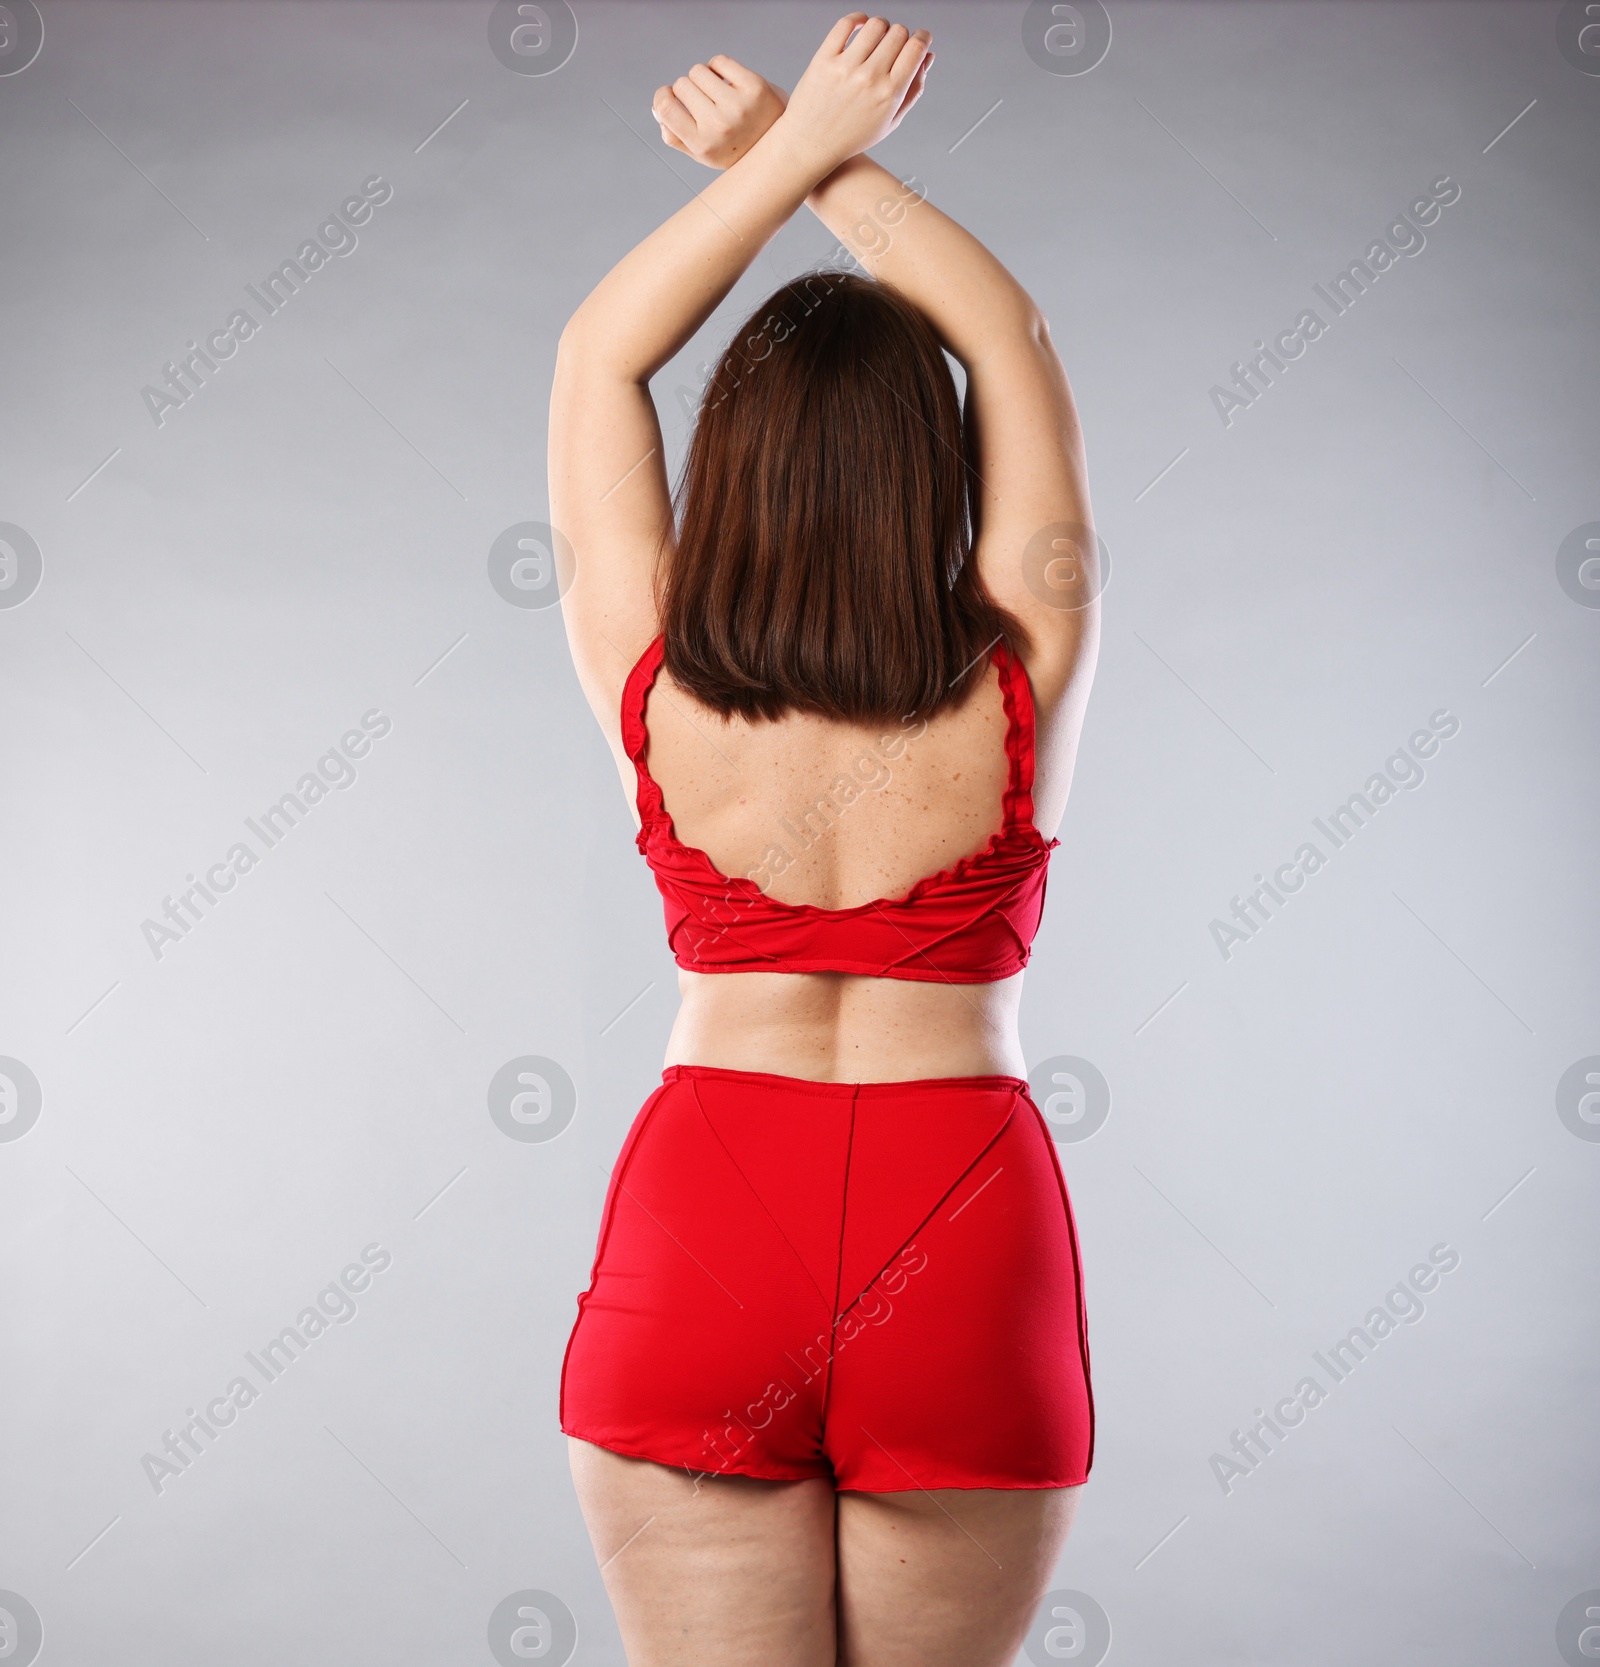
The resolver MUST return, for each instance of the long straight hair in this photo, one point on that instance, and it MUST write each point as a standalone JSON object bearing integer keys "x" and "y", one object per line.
{"x": 826, "y": 517}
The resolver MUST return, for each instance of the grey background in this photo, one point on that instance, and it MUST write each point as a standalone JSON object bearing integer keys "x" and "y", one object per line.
{"x": 306, "y": 1073}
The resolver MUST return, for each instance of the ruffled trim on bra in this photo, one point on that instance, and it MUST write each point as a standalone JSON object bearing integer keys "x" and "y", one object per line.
{"x": 1019, "y": 847}
{"x": 658, "y": 841}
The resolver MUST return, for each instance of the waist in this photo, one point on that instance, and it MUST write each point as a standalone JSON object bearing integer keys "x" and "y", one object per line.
{"x": 846, "y": 1028}
{"x": 832, "y": 1089}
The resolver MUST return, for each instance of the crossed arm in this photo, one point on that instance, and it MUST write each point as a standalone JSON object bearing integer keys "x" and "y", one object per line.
{"x": 608, "y": 487}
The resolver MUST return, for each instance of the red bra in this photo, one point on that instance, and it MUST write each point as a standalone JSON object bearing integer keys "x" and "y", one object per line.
{"x": 972, "y": 923}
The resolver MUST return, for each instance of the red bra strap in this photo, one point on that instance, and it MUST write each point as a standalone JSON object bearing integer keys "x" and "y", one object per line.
{"x": 635, "y": 737}
{"x": 1017, "y": 693}
{"x": 1015, "y": 690}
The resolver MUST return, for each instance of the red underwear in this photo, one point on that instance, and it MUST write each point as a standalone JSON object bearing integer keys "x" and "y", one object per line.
{"x": 875, "y": 1283}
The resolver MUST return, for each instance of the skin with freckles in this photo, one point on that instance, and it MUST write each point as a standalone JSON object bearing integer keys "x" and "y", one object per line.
{"x": 723, "y": 1571}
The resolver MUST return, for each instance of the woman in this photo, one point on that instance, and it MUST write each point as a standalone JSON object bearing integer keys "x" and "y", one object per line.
{"x": 828, "y": 1392}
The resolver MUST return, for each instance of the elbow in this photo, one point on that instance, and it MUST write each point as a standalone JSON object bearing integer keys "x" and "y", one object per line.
{"x": 573, "y": 366}
{"x": 585, "y": 349}
{"x": 1010, "y": 328}
{"x": 573, "y": 342}
{"x": 587, "y": 334}
{"x": 597, "y": 349}
{"x": 1023, "y": 324}
{"x": 1040, "y": 348}
{"x": 1020, "y": 337}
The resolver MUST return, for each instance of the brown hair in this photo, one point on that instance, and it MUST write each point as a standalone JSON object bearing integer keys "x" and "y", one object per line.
{"x": 826, "y": 517}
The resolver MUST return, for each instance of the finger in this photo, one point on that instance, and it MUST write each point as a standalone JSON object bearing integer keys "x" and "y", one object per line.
{"x": 918, "y": 82}
{"x": 713, "y": 85}
{"x": 668, "y": 110}
{"x": 867, "y": 37}
{"x": 910, "y": 58}
{"x": 734, "y": 73}
{"x": 692, "y": 99}
{"x": 833, "y": 43}
{"x": 882, "y": 57}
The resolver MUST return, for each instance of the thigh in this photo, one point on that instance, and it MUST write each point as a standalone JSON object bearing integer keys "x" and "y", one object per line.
{"x": 710, "y": 1571}
{"x": 948, "y": 1577}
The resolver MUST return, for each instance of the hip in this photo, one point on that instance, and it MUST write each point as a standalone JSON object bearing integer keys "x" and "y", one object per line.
{"x": 849, "y": 1173}
{"x": 881, "y": 1279}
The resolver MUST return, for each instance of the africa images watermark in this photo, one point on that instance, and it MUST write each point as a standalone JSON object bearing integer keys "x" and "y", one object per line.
{"x": 722, "y": 917}
{"x": 870, "y": 773}
{"x": 806, "y": 825}
{"x": 1342, "y": 824}
{"x": 335, "y": 769}
{"x": 1252, "y": 1446}
{"x": 1402, "y": 236}
{"x": 335, "y": 1304}
{"x": 185, "y": 375}
{"x": 872, "y": 1307}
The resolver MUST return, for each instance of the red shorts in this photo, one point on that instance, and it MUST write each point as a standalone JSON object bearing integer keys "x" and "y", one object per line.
{"x": 876, "y": 1283}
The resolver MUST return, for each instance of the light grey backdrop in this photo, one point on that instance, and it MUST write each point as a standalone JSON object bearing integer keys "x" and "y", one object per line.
{"x": 1400, "y": 525}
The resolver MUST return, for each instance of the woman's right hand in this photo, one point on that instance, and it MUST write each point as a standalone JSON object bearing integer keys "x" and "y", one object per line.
{"x": 717, "y": 111}
{"x": 855, "y": 90}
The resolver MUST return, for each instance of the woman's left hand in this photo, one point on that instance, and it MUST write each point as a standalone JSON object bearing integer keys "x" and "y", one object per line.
{"x": 717, "y": 111}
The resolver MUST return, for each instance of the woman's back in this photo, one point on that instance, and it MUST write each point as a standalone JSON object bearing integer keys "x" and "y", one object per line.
{"x": 889, "y": 876}
{"x": 831, "y": 814}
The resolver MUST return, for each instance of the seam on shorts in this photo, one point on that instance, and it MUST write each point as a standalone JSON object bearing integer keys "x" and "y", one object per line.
{"x": 677, "y": 1464}
{"x": 630, "y": 1146}
{"x": 842, "y": 1089}
{"x": 838, "y": 1276}
{"x": 1077, "y": 1272}
{"x": 966, "y": 1482}
{"x": 711, "y": 1128}
{"x": 938, "y": 1204}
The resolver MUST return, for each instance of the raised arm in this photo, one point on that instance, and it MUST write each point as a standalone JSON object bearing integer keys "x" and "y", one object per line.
{"x": 609, "y": 495}
{"x": 1035, "y": 545}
